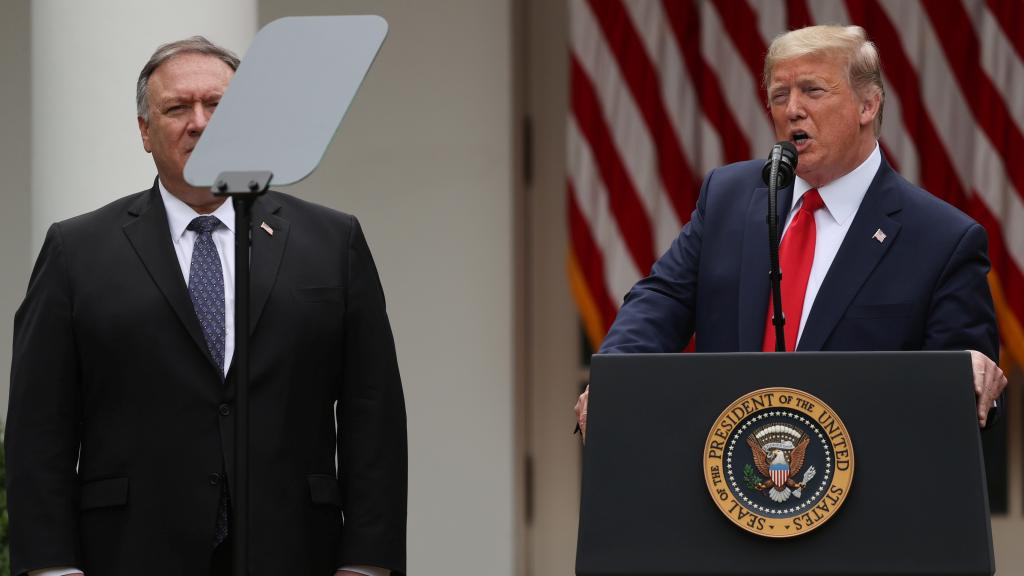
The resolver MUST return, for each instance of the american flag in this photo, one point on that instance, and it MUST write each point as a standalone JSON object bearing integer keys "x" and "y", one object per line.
{"x": 662, "y": 91}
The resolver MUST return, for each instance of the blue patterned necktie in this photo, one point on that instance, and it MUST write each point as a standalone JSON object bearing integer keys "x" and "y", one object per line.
{"x": 206, "y": 288}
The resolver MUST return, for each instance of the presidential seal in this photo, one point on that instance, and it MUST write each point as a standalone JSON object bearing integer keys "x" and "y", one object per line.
{"x": 778, "y": 462}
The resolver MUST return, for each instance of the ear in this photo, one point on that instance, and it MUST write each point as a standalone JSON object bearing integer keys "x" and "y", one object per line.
{"x": 144, "y": 131}
{"x": 869, "y": 106}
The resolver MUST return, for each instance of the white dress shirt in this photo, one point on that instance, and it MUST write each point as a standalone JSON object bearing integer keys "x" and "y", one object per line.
{"x": 842, "y": 198}
{"x": 179, "y": 215}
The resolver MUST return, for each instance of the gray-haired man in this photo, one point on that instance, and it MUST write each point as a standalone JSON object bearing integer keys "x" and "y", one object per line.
{"x": 120, "y": 425}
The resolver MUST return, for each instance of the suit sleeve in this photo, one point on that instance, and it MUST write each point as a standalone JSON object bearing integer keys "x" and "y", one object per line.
{"x": 659, "y": 312}
{"x": 961, "y": 315}
{"x": 42, "y": 436}
{"x": 372, "y": 449}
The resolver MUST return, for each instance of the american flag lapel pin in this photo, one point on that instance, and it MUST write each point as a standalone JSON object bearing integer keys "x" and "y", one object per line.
{"x": 879, "y": 235}
{"x": 270, "y": 231}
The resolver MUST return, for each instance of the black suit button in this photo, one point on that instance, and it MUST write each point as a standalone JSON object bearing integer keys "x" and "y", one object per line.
{"x": 225, "y": 410}
{"x": 214, "y": 478}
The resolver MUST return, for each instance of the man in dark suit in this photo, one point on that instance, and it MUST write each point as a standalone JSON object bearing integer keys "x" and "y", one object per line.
{"x": 120, "y": 429}
{"x": 869, "y": 261}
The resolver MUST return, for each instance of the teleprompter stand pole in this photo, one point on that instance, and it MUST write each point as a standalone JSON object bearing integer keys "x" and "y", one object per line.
{"x": 243, "y": 188}
{"x": 258, "y": 126}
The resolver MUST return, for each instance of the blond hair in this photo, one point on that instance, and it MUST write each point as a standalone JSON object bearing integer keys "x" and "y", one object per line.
{"x": 863, "y": 67}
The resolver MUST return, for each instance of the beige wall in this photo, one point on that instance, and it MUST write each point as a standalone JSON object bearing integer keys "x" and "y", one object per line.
{"x": 553, "y": 336}
{"x": 15, "y": 174}
{"x": 424, "y": 158}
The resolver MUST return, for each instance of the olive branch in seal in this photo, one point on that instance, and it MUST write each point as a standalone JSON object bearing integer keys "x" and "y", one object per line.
{"x": 751, "y": 479}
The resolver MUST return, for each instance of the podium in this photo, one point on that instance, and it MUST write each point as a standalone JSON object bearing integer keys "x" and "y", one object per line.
{"x": 917, "y": 501}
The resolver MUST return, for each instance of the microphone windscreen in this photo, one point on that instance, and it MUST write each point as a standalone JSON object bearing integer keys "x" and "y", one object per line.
{"x": 789, "y": 153}
{"x": 787, "y": 164}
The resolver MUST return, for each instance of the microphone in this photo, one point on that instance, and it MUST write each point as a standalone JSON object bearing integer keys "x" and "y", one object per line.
{"x": 782, "y": 162}
{"x": 778, "y": 172}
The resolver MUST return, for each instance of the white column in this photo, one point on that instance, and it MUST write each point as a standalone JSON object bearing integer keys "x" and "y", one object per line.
{"x": 86, "y": 58}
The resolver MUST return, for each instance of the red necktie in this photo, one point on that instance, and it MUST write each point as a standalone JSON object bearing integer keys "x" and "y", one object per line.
{"x": 796, "y": 254}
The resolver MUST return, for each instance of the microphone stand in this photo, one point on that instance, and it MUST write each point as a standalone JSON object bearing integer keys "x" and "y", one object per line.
{"x": 775, "y": 273}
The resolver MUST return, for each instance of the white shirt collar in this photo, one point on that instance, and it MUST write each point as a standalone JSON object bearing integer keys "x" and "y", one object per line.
{"x": 842, "y": 196}
{"x": 179, "y": 214}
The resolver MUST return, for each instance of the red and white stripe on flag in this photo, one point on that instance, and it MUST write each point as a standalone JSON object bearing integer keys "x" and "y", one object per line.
{"x": 662, "y": 91}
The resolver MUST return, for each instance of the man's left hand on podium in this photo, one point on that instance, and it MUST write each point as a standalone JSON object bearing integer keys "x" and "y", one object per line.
{"x": 989, "y": 383}
{"x": 581, "y": 414}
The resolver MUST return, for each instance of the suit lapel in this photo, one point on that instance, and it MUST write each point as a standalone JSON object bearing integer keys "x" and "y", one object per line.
{"x": 150, "y": 236}
{"x": 267, "y": 250}
{"x": 754, "y": 287}
{"x": 858, "y": 256}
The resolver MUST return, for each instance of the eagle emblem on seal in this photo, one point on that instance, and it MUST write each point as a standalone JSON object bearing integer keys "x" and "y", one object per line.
{"x": 779, "y": 451}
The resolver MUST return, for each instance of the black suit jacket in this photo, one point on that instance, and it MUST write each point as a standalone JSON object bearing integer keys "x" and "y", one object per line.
{"x": 111, "y": 371}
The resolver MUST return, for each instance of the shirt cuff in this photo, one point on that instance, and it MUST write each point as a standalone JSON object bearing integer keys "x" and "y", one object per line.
{"x": 366, "y": 570}
{"x": 59, "y": 571}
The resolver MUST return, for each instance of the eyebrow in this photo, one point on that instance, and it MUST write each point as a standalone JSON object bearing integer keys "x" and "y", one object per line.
{"x": 174, "y": 100}
{"x": 799, "y": 81}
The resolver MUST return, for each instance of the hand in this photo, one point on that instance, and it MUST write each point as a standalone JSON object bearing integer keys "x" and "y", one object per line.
{"x": 581, "y": 412}
{"x": 989, "y": 382}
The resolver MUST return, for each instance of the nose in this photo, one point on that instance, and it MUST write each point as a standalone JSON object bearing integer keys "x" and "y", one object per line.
{"x": 795, "y": 106}
{"x": 198, "y": 119}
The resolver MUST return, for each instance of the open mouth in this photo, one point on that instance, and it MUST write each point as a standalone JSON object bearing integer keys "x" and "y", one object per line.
{"x": 800, "y": 139}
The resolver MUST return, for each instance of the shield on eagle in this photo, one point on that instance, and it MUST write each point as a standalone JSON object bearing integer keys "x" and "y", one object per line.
{"x": 779, "y": 473}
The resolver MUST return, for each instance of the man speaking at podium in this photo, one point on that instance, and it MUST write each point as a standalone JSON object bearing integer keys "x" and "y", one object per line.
{"x": 869, "y": 261}
{"x": 120, "y": 430}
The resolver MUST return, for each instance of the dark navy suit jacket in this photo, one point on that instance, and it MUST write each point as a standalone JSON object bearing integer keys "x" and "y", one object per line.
{"x": 923, "y": 288}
